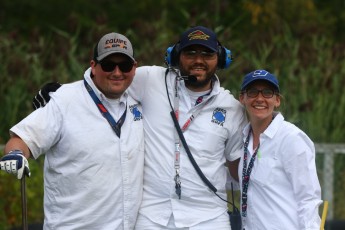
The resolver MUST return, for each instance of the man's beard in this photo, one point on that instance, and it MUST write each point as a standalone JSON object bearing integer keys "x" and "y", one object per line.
{"x": 195, "y": 83}
{"x": 199, "y": 83}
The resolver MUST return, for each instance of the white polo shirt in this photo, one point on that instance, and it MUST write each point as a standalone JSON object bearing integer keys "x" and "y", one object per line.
{"x": 92, "y": 178}
{"x": 284, "y": 191}
{"x": 213, "y": 136}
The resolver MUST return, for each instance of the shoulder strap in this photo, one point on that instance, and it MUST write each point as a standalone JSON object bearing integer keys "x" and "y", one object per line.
{"x": 196, "y": 166}
{"x": 190, "y": 156}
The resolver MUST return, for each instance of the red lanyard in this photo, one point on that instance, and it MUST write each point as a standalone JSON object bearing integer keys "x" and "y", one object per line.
{"x": 184, "y": 128}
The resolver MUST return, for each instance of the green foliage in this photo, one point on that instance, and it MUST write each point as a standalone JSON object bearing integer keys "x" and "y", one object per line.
{"x": 302, "y": 42}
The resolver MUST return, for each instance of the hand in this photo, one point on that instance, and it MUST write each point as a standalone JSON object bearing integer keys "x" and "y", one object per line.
{"x": 42, "y": 97}
{"x": 15, "y": 163}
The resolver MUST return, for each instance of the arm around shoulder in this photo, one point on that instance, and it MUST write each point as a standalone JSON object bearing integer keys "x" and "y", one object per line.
{"x": 233, "y": 168}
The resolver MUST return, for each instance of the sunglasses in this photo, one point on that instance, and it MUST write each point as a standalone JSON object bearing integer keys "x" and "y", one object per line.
{"x": 192, "y": 54}
{"x": 109, "y": 66}
{"x": 266, "y": 93}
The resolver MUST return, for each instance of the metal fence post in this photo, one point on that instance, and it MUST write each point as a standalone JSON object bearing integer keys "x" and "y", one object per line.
{"x": 328, "y": 175}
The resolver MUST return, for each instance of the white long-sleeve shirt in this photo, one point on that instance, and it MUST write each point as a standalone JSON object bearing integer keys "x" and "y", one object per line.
{"x": 284, "y": 191}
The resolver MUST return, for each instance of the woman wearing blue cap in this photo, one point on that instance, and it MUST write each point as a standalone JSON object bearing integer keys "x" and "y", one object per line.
{"x": 279, "y": 183}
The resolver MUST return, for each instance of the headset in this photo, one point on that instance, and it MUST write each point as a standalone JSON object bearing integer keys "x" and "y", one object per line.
{"x": 173, "y": 52}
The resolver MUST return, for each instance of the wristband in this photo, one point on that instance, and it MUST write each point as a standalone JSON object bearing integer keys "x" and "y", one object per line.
{"x": 16, "y": 151}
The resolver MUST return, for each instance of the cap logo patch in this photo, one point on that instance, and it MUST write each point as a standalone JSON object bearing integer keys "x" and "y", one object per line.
{"x": 198, "y": 34}
{"x": 260, "y": 73}
{"x": 115, "y": 42}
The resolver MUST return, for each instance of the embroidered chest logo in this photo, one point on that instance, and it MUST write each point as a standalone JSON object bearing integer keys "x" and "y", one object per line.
{"x": 218, "y": 116}
{"x": 136, "y": 112}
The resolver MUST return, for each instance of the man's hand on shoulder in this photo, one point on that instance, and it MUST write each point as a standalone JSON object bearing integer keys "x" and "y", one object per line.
{"x": 43, "y": 97}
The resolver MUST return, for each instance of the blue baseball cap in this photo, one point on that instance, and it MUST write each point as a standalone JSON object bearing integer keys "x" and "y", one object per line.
{"x": 199, "y": 35}
{"x": 259, "y": 74}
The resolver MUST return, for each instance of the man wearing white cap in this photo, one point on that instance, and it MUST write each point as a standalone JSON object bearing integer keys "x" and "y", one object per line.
{"x": 92, "y": 136}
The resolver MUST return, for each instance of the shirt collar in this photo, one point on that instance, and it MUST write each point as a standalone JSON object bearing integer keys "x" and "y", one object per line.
{"x": 271, "y": 130}
{"x": 276, "y": 123}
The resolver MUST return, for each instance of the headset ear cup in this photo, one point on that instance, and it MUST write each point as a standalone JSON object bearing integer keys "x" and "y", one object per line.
{"x": 224, "y": 57}
{"x": 167, "y": 57}
{"x": 171, "y": 56}
{"x": 175, "y": 55}
{"x": 228, "y": 58}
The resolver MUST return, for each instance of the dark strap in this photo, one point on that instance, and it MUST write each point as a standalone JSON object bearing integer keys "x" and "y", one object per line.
{"x": 190, "y": 156}
{"x": 196, "y": 166}
{"x": 115, "y": 125}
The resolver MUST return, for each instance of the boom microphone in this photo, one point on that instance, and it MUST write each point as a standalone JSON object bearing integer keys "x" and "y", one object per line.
{"x": 190, "y": 78}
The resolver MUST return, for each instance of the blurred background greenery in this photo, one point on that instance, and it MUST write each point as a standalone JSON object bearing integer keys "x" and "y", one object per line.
{"x": 302, "y": 42}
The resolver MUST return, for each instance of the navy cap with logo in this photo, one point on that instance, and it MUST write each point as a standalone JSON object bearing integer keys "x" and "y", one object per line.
{"x": 259, "y": 75}
{"x": 199, "y": 35}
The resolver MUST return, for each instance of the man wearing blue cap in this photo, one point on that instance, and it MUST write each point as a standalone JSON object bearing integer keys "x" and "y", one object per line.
{"x": 211, "y": 119}
{"x": 279, "y": 183}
